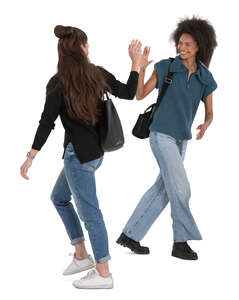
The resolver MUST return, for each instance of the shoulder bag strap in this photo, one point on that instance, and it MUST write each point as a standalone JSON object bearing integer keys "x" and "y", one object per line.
{"x": 166, "y": 84}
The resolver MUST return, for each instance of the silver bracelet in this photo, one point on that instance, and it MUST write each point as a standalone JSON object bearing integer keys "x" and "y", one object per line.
{"x": 30, "y": 155}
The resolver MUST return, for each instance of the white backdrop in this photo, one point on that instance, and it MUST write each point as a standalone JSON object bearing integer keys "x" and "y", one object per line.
{"x": 34, "y": 244}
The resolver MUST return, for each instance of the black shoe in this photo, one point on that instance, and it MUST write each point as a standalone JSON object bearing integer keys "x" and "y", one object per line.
{"x": 182, "y": 250}
{"x": 134, "y": 246}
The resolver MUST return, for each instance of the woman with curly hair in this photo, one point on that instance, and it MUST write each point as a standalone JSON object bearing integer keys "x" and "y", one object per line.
{"x": 76, "y": 94}
{"x": 195, "y": 41}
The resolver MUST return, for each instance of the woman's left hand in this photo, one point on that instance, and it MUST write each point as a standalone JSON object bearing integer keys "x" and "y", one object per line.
{"x": 202, "y": 128}
{"x": 24, "y": 168}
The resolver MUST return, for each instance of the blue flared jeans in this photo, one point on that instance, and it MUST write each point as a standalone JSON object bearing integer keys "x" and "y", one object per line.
{"x": 172, "y": 186}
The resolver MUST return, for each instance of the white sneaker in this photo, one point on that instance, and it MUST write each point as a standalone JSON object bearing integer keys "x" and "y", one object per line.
{"x": 79, "y": 265}
{"x": 93, "y": 280}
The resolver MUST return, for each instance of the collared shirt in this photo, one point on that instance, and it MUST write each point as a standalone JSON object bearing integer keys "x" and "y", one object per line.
{"x": 178, "y": 108}
{"x": 84, "y": 137}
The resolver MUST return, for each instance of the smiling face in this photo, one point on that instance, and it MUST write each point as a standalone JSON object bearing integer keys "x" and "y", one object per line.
{"x": 187, "y": 46}
{"x": 85, "y": 48}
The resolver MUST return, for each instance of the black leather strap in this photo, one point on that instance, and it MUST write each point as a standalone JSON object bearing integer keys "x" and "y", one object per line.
{"x": 167, "y": 82}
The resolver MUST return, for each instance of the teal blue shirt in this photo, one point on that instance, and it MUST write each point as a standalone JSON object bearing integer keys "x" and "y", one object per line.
{"x": 178, "y": 108}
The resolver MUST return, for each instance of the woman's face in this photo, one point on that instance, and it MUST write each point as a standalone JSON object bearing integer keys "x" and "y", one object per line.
{"x": 187, "y": 46}
{"x": 85, "y": 48}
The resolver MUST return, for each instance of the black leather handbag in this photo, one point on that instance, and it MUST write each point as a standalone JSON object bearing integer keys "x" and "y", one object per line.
{"x": 141, "y": 128}
{"x": 111, "y": 131}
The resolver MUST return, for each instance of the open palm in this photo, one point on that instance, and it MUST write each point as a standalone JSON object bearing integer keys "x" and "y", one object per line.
{"x": 145, "y": 58}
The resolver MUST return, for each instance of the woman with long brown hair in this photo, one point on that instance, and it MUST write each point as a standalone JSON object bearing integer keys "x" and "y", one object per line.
{"x": 76, "y": 93}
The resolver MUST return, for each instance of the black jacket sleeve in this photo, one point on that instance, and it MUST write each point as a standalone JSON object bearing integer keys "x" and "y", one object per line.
{"x": 49, "y": 115}
{"x": 122, "y": 90}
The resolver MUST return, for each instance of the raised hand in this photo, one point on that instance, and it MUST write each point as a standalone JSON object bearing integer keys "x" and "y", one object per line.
{"x": 135, "y": 51}
{"x": 144, "y": 62}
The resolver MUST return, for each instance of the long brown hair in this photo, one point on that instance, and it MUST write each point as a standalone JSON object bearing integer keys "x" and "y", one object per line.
{"x": 83, "y": 83}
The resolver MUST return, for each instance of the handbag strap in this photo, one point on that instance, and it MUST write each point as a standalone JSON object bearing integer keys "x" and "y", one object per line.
{"x": 107, "y": 95}
{"x": 167, "y": 81}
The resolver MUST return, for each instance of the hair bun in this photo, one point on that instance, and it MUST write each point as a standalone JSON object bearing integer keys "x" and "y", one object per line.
{"x": 62, "y": 31}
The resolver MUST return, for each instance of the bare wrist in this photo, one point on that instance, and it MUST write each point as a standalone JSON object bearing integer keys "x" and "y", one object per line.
{"x": 207, "y": 123}
{"x": 135, "y": 66}
{"x": 142, "y": 69}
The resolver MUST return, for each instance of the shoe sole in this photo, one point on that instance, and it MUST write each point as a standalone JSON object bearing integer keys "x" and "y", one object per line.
{"x": 182, "y": 257}
{"x": 131, "y": 248}
{"x": 93, "y": 287}
{"x": 82, "y": 270}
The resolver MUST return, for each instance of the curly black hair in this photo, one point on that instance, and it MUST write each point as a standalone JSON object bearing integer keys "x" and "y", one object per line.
{"x": 202, "y": 32}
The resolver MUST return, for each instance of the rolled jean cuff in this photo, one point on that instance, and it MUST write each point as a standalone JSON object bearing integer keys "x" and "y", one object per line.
{"x": 77, "y": 240}
{"x": 185, "y": 240}
{"x": 103, "y": 259}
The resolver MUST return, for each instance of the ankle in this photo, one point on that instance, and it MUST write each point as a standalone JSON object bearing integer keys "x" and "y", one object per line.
{"x": 80, "y": 256}
{"x": 104, "y": 272}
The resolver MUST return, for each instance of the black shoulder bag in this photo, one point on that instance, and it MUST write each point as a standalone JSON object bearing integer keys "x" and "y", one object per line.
{"x": 110, "y": 128}
{"x": 141, "y": 128}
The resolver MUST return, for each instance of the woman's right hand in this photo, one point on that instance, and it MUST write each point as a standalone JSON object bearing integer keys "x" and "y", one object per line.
{"x": 24, "y": 168}
{"x": 135, "y": 52}
{"x": 144, "y": 62}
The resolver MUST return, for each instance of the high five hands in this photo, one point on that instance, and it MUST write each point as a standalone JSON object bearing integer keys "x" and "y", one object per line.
{"x": 136, "y": 55}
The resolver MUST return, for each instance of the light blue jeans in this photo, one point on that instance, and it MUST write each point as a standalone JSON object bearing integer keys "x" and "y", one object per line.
{"x": 170, "y": 186}
{"x": 78, "y": 179}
